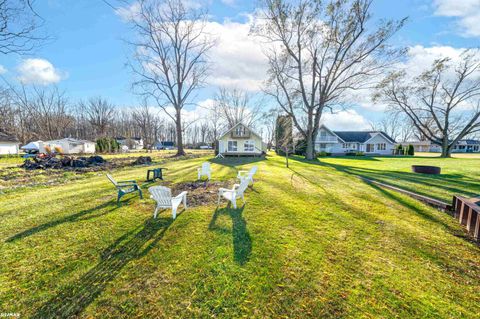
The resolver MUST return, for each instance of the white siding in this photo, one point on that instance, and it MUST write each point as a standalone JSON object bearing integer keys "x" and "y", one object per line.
{"x": 8, "y": 148}
{"x": 380, "y": 139}
{"x": 223, "y": 144}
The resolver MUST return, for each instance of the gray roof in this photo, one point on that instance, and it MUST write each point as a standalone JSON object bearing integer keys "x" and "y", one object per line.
{"x": 471, "y": 142}
{"x": 5, "y": 137}
{"x": 360, "y": 136}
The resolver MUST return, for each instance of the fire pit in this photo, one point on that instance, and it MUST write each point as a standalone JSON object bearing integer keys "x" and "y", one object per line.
{"x": 424, "y": 169}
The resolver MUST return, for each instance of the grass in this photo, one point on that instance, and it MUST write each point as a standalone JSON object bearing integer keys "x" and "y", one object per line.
{"x": 460, "y": 175}
{"x": 312, "y": 241}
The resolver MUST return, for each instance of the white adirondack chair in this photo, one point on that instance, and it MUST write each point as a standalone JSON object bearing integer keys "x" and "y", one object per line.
{"x": 205, "y": 170}
{"x": 163, "y": 196}
{"x": 247, "y": 174}
{"x": 237, "y": 191}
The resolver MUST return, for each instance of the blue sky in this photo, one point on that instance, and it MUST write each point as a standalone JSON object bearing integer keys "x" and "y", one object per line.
{"x": 86, "y": 56}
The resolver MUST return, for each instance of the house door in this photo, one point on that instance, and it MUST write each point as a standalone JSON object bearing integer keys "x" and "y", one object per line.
{"x": 370, "y": 148}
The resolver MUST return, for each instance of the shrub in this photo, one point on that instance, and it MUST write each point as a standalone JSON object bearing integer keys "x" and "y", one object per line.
{"x": 410, "y": 150}
{"x": 355, "y": 153}
{"x": 106, "y": 144}
{"x": 399, "y": 150}
{"x": 301, "y": 147}
{"x": 324, "y": 154}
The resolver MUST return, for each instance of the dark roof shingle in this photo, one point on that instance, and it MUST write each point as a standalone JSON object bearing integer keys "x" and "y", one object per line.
{"x": 360, "y": 136}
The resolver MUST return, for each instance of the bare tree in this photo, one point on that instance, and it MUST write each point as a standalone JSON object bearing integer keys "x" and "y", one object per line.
{"x": 99, "y": 113}
{"x": 147, "y": 122}
{"x": 170, "y": 55}
{"x": 269, "y": 121}
{"x": 443, "y": 102}
{"x": 237, "y": 106}
{"x": 396, "y": 125}
{"x": 19, "y": 24}
{"x": 319, "y": 51}
{"x": 47, "y": 111}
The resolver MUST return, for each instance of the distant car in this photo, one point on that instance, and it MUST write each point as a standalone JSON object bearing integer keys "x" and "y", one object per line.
{"x": 205, "y": 147}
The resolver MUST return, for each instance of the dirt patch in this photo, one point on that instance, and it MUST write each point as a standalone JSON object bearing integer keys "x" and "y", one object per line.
{"x": 200, "y": 193}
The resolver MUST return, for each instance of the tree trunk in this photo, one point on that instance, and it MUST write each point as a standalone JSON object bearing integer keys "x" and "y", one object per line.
{"x": 310, "y": 152}
{"x": 178, "y": 123}
{"x": 445, "y": 148}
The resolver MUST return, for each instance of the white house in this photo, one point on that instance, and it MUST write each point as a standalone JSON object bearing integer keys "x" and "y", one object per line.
{"x": 133, "y": 143}
{"x": 341, "y": 142}
{"x": 68, "y": 146}
{"x": 9, "y": 144}
{"x": 463, "y": 146}
{"x": 241, "y": 140}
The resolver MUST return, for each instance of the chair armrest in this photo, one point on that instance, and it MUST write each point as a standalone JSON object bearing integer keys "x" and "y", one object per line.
{"x": 126, "y": 184}
{"x": 225, "y": 190}
{"x": 181, "y": 195}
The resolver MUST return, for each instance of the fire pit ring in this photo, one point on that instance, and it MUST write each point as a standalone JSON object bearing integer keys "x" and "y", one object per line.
{"x": 424, "y": 169}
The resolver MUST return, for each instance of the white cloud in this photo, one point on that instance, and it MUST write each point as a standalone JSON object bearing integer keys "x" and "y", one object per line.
{"x": 238, "y": 60}
{"x": 3, "y": 70}
{"x": 467, "y": 11}
{"x": 346, "y": 120}
{"x": 38, "y": 71}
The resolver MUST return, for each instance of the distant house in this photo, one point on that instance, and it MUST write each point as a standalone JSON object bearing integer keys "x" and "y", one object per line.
{"x": 463, "y": 146}
{"x": 9, "y": 144}
{"x": 130, "y": 143}
{"x": 164, "y": 145}
{"x": 68, "y": 146}
{"x": 241, "y": 140}
{"x": 342, "y": 142}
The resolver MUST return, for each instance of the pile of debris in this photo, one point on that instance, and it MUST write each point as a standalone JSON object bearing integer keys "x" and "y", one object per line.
{"x": 199, "y": 193}
{"x": 143, "y": 160}
{"x": 63, "y": 163}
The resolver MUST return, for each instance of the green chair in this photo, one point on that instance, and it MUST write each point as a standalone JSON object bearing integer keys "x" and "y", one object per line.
{"x": 125, "y": 187}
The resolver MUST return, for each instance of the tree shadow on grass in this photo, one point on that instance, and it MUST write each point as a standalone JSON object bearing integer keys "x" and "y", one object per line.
{"x": 454, "y": 183}
{"x": 76, "y": 296}
{"x": 85, "y": 214}
{"x": 242, "y": 243}
{"x": 237, "y": 161}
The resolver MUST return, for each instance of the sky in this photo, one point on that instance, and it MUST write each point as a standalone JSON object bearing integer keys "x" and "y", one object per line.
{"x": 87, "y": 53}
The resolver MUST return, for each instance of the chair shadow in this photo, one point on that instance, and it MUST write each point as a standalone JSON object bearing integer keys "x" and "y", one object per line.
{"x": 76, "y": 296}
{"x": 85, "y": 214}
{"x": 242, "y": 242}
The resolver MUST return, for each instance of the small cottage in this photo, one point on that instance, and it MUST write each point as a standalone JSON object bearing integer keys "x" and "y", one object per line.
{"x": 241, "y": 140}
{"x": 9, "y": 144}
{"x": 130, "y": 143}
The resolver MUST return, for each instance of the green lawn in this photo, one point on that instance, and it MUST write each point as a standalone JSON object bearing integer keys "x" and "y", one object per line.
{"x": 312, "y": 241}
{"x": 460, "y": 175}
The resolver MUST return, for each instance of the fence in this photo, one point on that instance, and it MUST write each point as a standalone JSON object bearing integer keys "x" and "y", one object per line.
{"x": 467, "y": 211}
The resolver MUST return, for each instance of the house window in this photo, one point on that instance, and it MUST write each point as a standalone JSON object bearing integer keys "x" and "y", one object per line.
{"x": 249, "y": 146}
{"x": 240, "y": 131}
{"x": 232, "y": 146}
{"x": 382, "y": 146}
